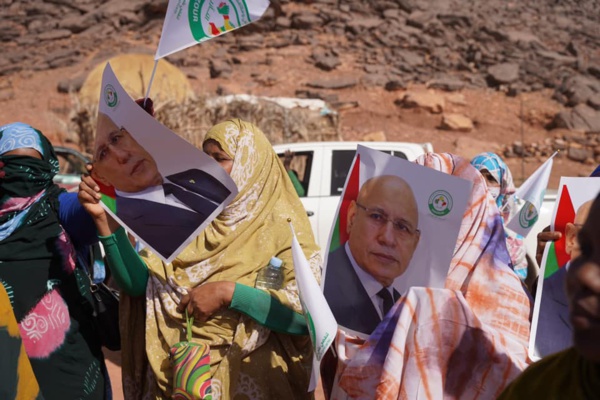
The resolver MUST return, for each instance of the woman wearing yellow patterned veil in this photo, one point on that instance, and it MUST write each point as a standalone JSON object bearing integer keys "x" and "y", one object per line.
{"x": 259, "y": 344}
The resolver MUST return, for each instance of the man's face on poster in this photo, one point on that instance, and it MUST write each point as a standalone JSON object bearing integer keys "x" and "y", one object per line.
{"x": 572, "y": 230}
{"x": 382, "y": 228}
{"x": 120, "y": 161}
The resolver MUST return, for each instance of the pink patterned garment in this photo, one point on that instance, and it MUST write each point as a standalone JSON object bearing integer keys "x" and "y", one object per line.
{"x": 44, "y": 328}
{"x": 467, "y": 341}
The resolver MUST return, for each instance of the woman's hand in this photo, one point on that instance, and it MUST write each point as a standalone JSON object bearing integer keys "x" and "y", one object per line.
{"x": 205, "y": 300}
{"x": 89, "y": 197}
{"x": 544, "y": 237}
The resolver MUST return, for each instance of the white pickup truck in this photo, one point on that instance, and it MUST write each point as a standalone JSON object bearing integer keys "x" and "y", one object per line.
{"x": 322, "y": 168}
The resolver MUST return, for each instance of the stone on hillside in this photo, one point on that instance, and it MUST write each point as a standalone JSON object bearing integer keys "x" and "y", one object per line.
{"x": 55, "y": 34}
{"x": 306, "y": 21}
{"x": 522, "y": 36}
{"x": 220, "y": 68}
{"x": 375, "y": 137}
{"x": 581, "y": 117}
{"x": 449, "y": 84}
{"x": 594, "y": 101}
{"x": 326, "y": 62}
{"x": 431, "y": 102}
{"x": 579, "y": 153}
{"x": 395, "y": 84}
{"x": 503, "y": 73}
{"x": 594, "y": 70}
{"x": 334, "y": 83}
{"x": 457, "y": 123}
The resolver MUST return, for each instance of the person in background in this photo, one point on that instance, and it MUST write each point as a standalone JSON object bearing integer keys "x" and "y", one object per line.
{"x": 39, "y": 269}
{"x": 288, "y": 156}
{"x": 501, "y": 187}
{"x": 573, "y": 373}
{"x": 554, "y": 329}
{"x": 259, "y": 343}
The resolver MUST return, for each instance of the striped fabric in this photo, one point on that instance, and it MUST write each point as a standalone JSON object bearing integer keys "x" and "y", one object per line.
{"x": 467, "y": 341}
{"x": 191, "y": 369}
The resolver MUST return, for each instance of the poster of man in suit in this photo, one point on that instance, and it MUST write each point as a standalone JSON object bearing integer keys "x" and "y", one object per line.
{"x": 551, "y": 330}
{"x": 397, "y": 226}
{"x": 156, "y": 184}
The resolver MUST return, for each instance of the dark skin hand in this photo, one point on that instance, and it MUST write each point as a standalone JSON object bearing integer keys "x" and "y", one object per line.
{"x": 89, "y": 197}
{"x": 205, "y": 300}
{"x": 544, "y": 237}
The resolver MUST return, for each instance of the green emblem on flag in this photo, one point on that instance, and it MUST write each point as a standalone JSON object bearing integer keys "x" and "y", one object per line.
{"x": 110, "y": 96}
{"x": 210, "y": 18}
{"x": 528, "y": 215}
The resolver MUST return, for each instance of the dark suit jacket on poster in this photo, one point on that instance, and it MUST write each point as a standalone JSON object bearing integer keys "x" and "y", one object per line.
{"x": 346, "y": 296}
{"x": 554, "y": 331}
{"x": 165, "y": 227}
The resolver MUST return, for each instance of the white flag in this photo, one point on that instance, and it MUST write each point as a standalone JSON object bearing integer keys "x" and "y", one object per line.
{"x": 188, "y": 22}
{"x": 321, "y": 323}
{"x": 532, "y": 191}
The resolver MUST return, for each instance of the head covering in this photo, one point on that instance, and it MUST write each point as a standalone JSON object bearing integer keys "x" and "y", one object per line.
{"x": 26, "y": 178}
{"x": 430, "y": 341}
{"x": 498, "y": 169}
{"x": 234, "y": 247}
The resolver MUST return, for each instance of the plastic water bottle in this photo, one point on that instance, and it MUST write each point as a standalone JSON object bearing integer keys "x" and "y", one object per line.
{"x": 271, "y": 276}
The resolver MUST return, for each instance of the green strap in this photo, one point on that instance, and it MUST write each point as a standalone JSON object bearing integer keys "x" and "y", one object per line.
{"x": 189, "y": 322}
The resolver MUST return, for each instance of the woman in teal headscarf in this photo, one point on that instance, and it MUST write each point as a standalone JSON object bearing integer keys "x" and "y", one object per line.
{"x": 39, "y": 271}
{"x": 501, "y": 187}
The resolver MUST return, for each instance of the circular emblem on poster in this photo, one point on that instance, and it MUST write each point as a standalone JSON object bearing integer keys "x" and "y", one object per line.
{"x": 440, "y": 203}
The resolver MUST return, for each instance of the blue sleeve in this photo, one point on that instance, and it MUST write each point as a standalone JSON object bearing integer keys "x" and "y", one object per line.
{"x": 77, "y": 222}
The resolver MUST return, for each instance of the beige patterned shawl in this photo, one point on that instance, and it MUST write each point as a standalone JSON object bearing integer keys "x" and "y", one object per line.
{"x": 247, "y": 359}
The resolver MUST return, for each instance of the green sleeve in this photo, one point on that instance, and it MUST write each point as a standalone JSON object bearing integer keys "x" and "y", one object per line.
{"x": 297, "y": 185}
{"x": 128, "y": 269}
{"x": 267, "y": 310}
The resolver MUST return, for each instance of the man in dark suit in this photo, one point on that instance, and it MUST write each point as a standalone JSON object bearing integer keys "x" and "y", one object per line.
{"x": 382, "y": 237}
{"x": 164, "y": 212}
{"x": 554, "y": 330}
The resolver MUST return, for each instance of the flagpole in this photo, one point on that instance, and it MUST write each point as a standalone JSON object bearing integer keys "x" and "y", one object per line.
{"x": 150, "y": 83}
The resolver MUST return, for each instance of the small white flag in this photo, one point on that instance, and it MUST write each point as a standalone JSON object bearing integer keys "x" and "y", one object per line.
{"x": 321, "y": 323}
{"x": 188, "y": 22}
{"x": 532, "y": 191}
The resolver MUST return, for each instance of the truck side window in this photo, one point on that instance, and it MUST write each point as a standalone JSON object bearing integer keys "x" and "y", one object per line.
{"x": 341, "y": 160}
{"x": 400, "y": 154}
{"x": 301, "y": 166}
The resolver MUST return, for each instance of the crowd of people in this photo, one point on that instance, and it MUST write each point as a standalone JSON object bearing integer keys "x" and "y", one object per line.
{"x": 467, "y": 340}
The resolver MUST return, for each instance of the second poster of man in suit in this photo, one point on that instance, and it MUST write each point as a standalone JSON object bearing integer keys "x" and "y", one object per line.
{"x": 397, "y": 226}
{"x": 551, "y": 330}
{"x": 156, "y": 184}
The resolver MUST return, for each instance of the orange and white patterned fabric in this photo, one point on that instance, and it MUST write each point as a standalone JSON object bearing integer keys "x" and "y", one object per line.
{"x": 468, "y": 340}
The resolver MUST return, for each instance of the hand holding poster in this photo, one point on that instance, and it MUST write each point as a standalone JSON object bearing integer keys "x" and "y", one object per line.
{"x": 551, "y": 331}
{"x": 160, "y": 187}
{"x": 196, "y": 21}
{"x": 397, "y": 226}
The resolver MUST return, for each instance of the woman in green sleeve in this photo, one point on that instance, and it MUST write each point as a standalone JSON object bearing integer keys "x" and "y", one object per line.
{"x": 258, "y": 339}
